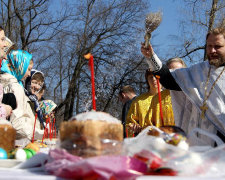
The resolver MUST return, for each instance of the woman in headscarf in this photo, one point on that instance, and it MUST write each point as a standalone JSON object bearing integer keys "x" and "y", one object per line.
{"x": 14, "y": 70}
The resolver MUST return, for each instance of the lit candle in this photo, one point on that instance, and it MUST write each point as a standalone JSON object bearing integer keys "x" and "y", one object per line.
{"x": 91, "y": 64}
{"x": 53, "y": 128}
{"x": 45, "y": 135}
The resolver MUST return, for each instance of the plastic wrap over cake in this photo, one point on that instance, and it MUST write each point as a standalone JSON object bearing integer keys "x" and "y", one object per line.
{"x": 92, "y": 133}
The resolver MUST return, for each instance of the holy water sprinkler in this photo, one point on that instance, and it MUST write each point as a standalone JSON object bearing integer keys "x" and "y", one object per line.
{"x": 152, "y": 21}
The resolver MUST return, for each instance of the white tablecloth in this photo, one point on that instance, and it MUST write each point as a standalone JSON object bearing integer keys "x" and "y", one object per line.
{"x": 177, "y": 177}
{"x": 23, "y": 174}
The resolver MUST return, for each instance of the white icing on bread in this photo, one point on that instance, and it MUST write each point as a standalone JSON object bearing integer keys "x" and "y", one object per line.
{"x": 92, "y": 115}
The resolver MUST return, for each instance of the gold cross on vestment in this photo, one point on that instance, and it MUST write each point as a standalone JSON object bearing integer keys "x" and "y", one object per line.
{"x": 203, "y": 108}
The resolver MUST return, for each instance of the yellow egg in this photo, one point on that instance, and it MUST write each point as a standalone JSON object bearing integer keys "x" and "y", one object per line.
{"x": 33, "y": 146}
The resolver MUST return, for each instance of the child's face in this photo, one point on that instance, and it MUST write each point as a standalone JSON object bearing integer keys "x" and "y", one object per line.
{"x": 35, "y": 86}
{"x": 27, "y": 74}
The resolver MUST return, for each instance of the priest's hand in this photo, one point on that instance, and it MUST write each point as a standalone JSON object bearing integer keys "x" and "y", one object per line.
{"x": 152, "y": 59}
{"x": 147, "y": 52}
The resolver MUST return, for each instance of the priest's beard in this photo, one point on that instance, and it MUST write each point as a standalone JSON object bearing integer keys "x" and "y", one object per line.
{"x": 217, "y": 62}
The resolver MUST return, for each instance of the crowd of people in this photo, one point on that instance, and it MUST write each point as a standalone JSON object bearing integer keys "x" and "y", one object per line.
{"x": 176, "y": 95}
{"x": 191, "y": 97}
{"x": 21, "y": 91}
{"x": 145, "y": 109}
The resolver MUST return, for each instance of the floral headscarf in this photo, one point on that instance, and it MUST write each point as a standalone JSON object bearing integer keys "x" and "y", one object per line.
{"x": 16, "y": 64}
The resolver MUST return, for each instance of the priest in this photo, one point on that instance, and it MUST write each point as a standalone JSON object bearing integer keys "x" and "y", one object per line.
{"x": 202, "y": 85}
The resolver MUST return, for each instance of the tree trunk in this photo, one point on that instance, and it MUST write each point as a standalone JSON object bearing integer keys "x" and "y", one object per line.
{"x": 70, "y": 96}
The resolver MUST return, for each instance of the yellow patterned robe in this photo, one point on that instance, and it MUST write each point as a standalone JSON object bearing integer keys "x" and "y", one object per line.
{"x": 167, "y": 109}
{"x": 139, "y": 111}
{"x": 145, "y": 110}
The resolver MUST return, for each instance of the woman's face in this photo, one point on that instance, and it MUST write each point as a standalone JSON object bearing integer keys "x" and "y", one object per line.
{"x": 152, "y": 82}
{"x": 2, "y": 44}
{"x": 27, "y": 74}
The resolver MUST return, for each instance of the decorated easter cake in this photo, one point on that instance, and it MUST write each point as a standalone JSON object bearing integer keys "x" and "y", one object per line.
{"x": 92, "y": 133}
{"x": 7, "y": 136}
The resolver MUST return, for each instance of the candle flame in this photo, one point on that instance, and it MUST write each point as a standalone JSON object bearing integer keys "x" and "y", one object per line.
{"x": 87, "y": 56}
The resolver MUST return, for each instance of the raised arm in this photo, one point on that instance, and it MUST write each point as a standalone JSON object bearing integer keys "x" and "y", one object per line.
{"x": 155, "y": 64}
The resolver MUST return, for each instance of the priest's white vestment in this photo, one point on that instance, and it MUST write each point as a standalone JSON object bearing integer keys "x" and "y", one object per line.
{"x": 187, "y": 103}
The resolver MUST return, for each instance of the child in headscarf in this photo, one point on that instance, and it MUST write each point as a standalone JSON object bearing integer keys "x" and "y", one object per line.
{"x": 34, "y": 89}
{"x": 14, "y": 70}
{"x": 35, "y": 84}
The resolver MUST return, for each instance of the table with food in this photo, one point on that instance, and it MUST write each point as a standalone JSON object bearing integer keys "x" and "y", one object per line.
{"x": 91, "y": 146}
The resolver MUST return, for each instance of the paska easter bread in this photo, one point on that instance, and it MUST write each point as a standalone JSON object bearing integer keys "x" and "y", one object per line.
{"x": 7, "y": 136}
{"x": 92, "y": 133}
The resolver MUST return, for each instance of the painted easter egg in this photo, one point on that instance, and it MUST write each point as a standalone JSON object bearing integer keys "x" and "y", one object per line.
{"x": 20, "y": 154}
{"x": 3, "y": 154}
{"x": 33, "y": 146}
{"x": 12, "y": 154}
{"x": 29, "y": 153}
{"x": 32, "y": 151}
